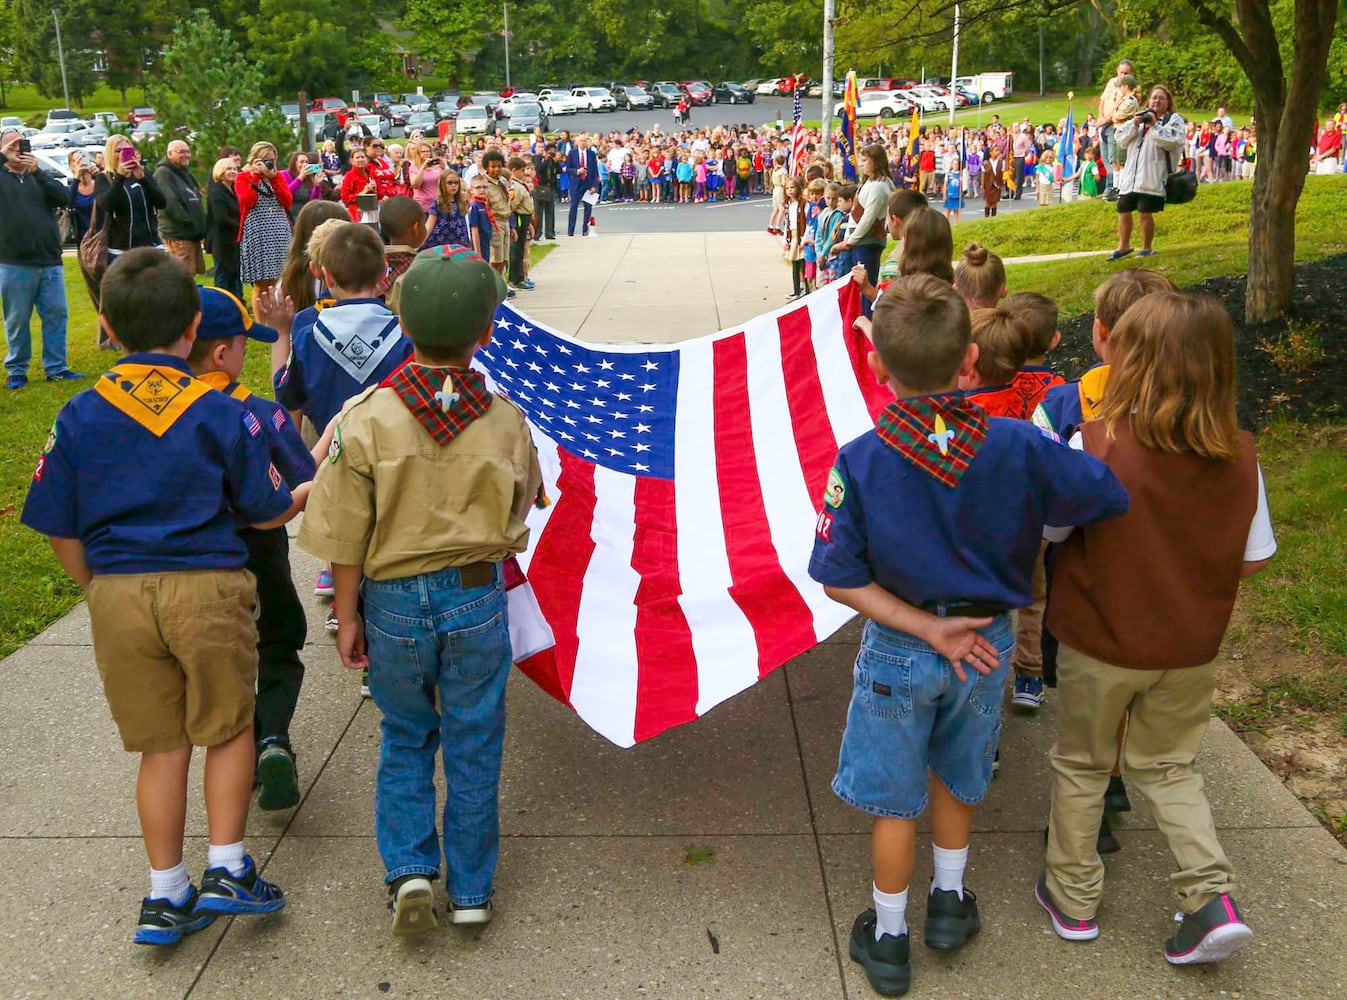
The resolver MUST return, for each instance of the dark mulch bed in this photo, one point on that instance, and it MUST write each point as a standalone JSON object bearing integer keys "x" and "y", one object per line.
{"x": 1266, "y": 392}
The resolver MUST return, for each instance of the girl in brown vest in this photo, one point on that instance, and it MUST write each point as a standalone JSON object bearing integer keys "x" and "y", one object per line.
{"x": 1140, "y": 605}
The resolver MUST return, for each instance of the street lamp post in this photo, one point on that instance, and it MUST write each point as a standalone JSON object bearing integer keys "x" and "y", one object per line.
{"x": 60, "y": 54}
{"x": 506, "y": 8}
{"x": 827, "y": 77}
{"x": 954, "y": 69}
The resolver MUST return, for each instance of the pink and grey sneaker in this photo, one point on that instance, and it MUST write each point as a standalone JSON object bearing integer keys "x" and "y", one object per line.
{"x": 1067, "y": 928}
{"x": 322, "y": 587}
{"x": 1213, "y": 933}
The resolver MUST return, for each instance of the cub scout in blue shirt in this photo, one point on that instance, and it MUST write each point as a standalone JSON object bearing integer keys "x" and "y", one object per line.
{"x": 217, "y": 359}
{"x": 141, "y": 488}
{"x": 937, "y": 513}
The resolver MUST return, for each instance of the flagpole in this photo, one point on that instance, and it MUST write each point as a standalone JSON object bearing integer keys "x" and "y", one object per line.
{"x": 954, "y": 68}
{"x": 827, "y": 77}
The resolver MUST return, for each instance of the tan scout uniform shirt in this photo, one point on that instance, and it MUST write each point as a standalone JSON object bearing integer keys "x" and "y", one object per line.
{"x": 390, "y": 499}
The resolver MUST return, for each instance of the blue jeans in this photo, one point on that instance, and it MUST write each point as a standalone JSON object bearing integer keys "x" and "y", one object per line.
{"x": 1107, "y": 149}
{"x": 909, "y": 714}
{"x": 868, "y": 254}
{"x": 21, "y": 289}
{"x": 427, "y": 633}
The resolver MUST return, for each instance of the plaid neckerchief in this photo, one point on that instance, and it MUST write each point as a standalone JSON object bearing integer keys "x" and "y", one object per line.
{"x": 396, "y": 262}
{"x": 443, "y": 400}
{"x": 940, "y": 435}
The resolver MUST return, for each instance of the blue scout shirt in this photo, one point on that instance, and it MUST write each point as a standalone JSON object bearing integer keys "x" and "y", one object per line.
{"x": 336, "y": 353}
{"x": 1067, "y": 406}
{"x": 289, "y": 454}
{"x": 885, "y": 520}
{"x": 153, "y": 471}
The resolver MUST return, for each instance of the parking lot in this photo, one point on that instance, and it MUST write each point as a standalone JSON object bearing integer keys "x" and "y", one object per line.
{"x": 763, "y": 110}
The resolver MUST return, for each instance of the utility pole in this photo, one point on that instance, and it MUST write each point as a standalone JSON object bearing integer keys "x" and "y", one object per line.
{"x": 954, "y": 68}
{"x": 828, "y": 11}
{"x": 506, "y": 7}
{"x": 1041, "y": 88}
{"x": 60, "y": 54}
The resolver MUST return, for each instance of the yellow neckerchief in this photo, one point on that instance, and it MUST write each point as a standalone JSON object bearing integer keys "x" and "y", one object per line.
{"x": 1092, "y": 385}
{"x": 153, "y": 396}
{"x": 222, "y": 382}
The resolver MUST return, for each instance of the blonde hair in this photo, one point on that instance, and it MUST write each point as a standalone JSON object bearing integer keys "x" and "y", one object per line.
{"x": 259, "y": 148}
{"x": 221, "y": 167}
{"x": 1037, "y": 316}
{"x": 1115, "y": 296}
{"x": 1172, "y": 378}
{"x": 1003, "y": 345}
{"x": 115, "y": 142}
{"x": 980, "y": 277}
{"x": 442, "y": 199}
{"x": 321, "y": 234}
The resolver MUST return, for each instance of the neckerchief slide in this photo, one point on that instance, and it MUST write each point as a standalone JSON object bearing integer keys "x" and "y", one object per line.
{"x": 443, "y": 400}
{"x": 939, "y": 435}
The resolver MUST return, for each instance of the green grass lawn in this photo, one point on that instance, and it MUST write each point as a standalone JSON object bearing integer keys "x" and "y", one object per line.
{"x": 24, "y": 100}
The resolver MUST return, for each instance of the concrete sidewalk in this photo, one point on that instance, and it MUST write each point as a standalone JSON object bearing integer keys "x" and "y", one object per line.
{"x": 599, "y": 891}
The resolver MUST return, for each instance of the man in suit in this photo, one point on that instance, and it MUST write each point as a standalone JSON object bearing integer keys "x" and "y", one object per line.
{"x": 582, "y": 170}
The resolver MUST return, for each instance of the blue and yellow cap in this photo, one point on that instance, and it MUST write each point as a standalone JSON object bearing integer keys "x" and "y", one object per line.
{"x": 224, "y": 316}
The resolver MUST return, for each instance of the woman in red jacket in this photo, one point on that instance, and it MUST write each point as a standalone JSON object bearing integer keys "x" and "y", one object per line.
{"x": 264, "y": 218}
{"x": 357, "y": 181}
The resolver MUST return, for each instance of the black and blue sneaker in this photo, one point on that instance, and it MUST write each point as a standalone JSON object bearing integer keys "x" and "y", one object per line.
{"x": 162, "y": 922}
{"x": 222, "y": 892}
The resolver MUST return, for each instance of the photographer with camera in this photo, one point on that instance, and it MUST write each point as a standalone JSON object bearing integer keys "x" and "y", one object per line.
{"x": 1153, "y": 142}
{"x": 264, "y": 210}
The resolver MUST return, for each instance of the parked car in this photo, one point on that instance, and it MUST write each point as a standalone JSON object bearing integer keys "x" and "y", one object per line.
{"x": 988, "y": 86}
{"x": 874, "y": 103}
{"x": 815, "y": 89}
{"x": 425, "y": 121}
{"x": 446, "y": 110}
{"x": 379, "y": 126}
{"x": 732, "y": 93}
{"x": 594, "y": 98}
{"x": 61, "y": 115}
{"x": 525, "y": 116}
{"x": 930, "y": 99}
{"x": 417, "y": 102}
{"x": 382, "y": 99}
{"x": 291, "y": 111}
{"x": 146, "y": 130}
{"x": 556, "y": 101}
{"x": 698, "y": 91}
{"x": 666, "y": 94}
{"x": 397, "y": 114}
{"x": 53, "y": 162}
{"x": 633, "y": 98}
{"x": 333, "y": 104}
{"x": 769, "y": 87}
{"x": 12, "y": 121}
{"x": 506, "y": 107}
{"x": 106, "y": 119}
{"x": 63, "y": 134}
{"x": 137, "y": 115}
{"x": 476, "y": 119}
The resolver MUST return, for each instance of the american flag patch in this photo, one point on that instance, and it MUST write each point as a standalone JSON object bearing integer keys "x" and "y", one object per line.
{"x": 278, "y": 419}
{"x": 251, "y": 423}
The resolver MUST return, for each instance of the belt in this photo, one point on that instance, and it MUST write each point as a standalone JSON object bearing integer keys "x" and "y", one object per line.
{"x": 478, "y": 574}
{"x": 963, "y": 609}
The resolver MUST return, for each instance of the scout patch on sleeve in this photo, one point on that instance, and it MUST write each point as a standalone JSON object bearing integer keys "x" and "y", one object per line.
{"x": 41, "y": 467}
{"x": 1050, "y": 435}
{"x": 836, "y": 490}
{"x": 278, "y": 419}
{"x": 275, "y": 476}
{"x": 251, "y": 423}
{"x": 51, "y": 440}
{"x": 1040, "y": 419}
{"x": 824, "y": 527}
{"x": 334, "y": 449}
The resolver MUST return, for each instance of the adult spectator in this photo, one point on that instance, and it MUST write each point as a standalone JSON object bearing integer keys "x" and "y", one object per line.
{"x": 128, "y": 198}
{"x": 183, "y": 221}
{"x": 264, "y": 225}
{"x": 305, "y": 179}
{"x": 582, "y": 174}
{"x": 547, "y": 169}
{"x": 222, "y": 225}
{"x": 81, "y": 188}
{"x": 356, "y": 182}
{"x": 1108, "y": 106}
{"x": 31, "y": 275}
{"x": 1021, "y": 146}
{"x": 868, "y": 236}
{"x": 1328, "y": 151}
{"x": 424, "y": 173}
{"x": 1153, "y": 141}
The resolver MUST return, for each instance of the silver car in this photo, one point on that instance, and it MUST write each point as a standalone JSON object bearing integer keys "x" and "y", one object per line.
{"x": 526, "y": 116}
{"x": 60, "y": 134}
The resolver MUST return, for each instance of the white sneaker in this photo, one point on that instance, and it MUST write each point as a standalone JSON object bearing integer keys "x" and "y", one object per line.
{"x": 413, "y": 906}
{"x": 472, "y": 914}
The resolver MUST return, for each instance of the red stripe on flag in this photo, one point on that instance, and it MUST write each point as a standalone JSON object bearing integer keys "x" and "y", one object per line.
{"x": 666, "y": 678}
{"x": 782, "y": 623}
{"x": 875, "y": 393}
{"x": 561, "y": 560}
{"x": 814, "y": 439}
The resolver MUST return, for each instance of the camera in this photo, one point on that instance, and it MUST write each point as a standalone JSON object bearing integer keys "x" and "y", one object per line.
{"x": 1146, "y": 116}
{"x": 25, "y": 147}
{"x": 269, "y": 163}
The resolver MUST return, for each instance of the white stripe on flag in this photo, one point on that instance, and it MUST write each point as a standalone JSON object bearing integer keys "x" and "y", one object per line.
{"x": 722, "y": 637}
{"x": 550, "y": 463}
{"x": 842, "y": 397}
{"x": 603, "y": 691}
{"x": 529, "y": 631}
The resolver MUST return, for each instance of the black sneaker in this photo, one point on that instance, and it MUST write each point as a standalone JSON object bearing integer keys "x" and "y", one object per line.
{"x": 1213, "y": 933}
{"x": 222, "y": 892}
{"x": 950, "y": 921}
{"x": 1115, "y": 799}
{"x": 885, "y": 961}
{"x": 413, "y": 904}
{"x": 1067, "y": 928}
{"x": 1106, "y": 843}
{"x": 277, "y": 780}
{"x": 161, "y": 922}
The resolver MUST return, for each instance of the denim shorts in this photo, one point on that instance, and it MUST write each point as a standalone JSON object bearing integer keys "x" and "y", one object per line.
{"x": 910, "y": 713}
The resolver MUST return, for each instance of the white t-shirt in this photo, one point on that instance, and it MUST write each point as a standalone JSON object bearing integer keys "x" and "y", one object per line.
{"x": 1261, "y": 543}
{"x": 616, "y": 156}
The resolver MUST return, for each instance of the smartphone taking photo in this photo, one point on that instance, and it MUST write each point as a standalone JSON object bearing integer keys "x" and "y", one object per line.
{"x": 128, "y": 154}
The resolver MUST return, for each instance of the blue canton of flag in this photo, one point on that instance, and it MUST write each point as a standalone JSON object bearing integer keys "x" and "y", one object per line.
{"x": 613, "y": 407}
{"x": 797, "y": 114}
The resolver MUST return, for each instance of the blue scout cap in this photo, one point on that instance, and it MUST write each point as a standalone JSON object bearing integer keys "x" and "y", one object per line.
{"x": 224, "y": 316}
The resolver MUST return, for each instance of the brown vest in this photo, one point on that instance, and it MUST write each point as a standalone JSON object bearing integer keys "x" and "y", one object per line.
{"x": 1154, "y": 589}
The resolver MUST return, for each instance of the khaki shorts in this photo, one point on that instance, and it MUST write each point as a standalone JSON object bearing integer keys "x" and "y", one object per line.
{"x": 499, "y": 251}
{"x": 178, "y": 655}
{"x": 189, "y": 252}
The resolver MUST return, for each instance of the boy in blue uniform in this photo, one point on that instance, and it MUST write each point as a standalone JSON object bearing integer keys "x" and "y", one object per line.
{"x": 217, "y": 359}
{"x": 930, "y": 527}
{"x": 149, "y": 529}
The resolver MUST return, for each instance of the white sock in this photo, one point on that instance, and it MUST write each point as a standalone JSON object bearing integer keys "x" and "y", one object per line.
{"x": 949, "y": 868}
{"x": 227, "y": 856}
{"x": 172, "y": 884}
{"x": 891, "y": 913}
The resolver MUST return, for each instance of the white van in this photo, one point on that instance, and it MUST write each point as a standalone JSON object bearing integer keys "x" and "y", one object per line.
{"x": 988, "y": 86}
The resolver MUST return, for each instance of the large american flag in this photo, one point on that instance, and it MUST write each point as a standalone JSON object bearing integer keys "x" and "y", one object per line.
{"x": 669, "y": 571}
{"x": 797, "y": 135}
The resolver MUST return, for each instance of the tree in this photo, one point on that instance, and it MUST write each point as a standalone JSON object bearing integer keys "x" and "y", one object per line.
{"x": 36, "y": 47}
{"x": 320, "y": 46}
{"x": 131, "y": 36}
{"x": 9, "y": 41}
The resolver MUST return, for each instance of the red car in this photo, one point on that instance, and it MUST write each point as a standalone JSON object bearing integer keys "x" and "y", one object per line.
{"x": 698, "y": 91}
{"x": 137, "y": 115}
{"x": 324, "y": 104}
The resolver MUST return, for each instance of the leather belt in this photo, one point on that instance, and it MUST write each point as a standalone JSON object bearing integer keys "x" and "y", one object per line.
{"x": 963, "y": 609}
{"x": 478, "y": 574}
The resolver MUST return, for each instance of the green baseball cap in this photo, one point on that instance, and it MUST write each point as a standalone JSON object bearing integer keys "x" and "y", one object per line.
{"x": 449, "y": 297}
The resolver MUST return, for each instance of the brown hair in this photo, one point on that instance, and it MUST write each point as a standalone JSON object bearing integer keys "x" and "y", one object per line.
{"x": 398, "y": 216}
{"x": 148, "y": 299}
{"x": 847, "y": 191}
{"x": 1037, "y": 315}
{"x": 1003, "y": 344}
{"x": 442, "y": 200}
{"x": 879, "y": 161}
{"x": 1115, "y": 296}
{"x": 928, "y": 245}
{"x": 1172, "y": 379}
{"x": 920, "y": 329}
{"x": 903, "y": 202}
{"x": 296, "y": 281}
{"x": 980, "y": 277}
{"x": 354, "y": 257}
